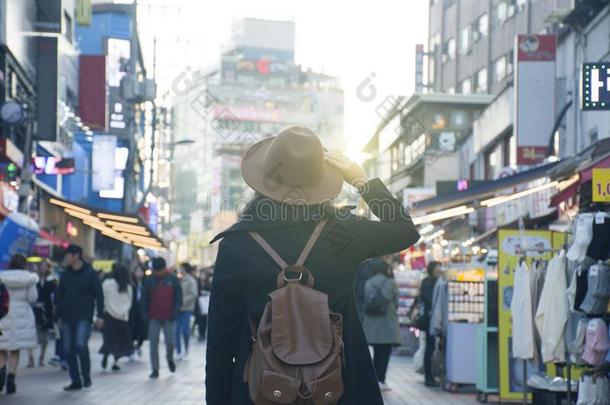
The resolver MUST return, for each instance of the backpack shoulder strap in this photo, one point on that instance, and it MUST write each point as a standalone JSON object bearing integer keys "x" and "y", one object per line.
{"x": 311, "y": 242}
{"x": 306, "y": 250}
{"x": 270, "y": 251}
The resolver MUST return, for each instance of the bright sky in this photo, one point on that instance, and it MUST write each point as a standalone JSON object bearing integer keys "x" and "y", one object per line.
{"x": 350, "y": 40}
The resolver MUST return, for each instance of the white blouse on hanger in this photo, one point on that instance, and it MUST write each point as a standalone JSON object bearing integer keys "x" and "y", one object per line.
{"x": 552, "y": 312}
{"x": 521, "y": 309}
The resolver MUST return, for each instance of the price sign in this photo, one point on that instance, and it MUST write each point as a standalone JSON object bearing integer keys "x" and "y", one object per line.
{"x": 601, "y": 185}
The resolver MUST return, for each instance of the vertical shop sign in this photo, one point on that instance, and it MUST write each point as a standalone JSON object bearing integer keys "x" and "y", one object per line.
{"x": 535, "y": 95}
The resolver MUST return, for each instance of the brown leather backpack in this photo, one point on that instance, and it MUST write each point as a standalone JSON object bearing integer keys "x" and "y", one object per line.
{"x": 297, "y": 352}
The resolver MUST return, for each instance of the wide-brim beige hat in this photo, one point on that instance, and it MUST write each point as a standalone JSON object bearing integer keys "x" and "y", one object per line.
{"x": 291, "y": 168}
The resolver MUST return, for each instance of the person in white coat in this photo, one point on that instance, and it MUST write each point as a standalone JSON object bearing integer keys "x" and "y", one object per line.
{"x": 18, "y": 326}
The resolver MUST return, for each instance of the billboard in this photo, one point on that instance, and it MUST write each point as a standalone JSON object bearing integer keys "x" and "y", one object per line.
{"x": 47, "y": 85}
{"x": 103, "y": 162}
{"x": 92, "y": 94}
{"x": 535, "y": 96}
{"x": 595, "y": 86}
{"x": 118, "y": 52}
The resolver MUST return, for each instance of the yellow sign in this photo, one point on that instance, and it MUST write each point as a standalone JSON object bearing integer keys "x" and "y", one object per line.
{"x": 601, "y": 185}
{"x": 512, "y": 247}
{"x": 83, "y": 12}
{"x": 103, "y": 265}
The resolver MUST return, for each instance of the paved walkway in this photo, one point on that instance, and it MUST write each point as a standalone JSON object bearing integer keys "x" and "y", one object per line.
{"x": 131, "y": 386}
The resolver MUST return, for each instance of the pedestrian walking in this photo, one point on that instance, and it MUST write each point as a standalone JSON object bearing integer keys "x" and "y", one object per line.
{"x": 204, "y": 286}
{"x": 295, "y": 180}
{"x": 362, "y": 276}
{"x": 19, "y": 325}
{"x": 188, "y": 284}
{"x": 78, "y": 294}
{"x": 161, "y": 301}
{"x": 380, "y": 318}
{"x": 138, "y": 327}
{"x": 44, "y": 308}
{"x": 118, "y": 298}
{"x": 427, "y": 292}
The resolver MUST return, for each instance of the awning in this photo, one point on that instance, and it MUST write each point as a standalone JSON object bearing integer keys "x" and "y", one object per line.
{"x": 585, "y": 172}
{"x": 127, "y": 228}
{"x": 458, "y": 199}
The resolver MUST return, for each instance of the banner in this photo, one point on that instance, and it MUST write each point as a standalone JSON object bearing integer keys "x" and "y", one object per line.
{"x": 18, "y": 232}
{"x": 512, "y": 246}
{"x": 535, "y": 96}
{"x": 103, "y": 162}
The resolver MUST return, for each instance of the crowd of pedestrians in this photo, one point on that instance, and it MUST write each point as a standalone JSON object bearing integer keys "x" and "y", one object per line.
{"x": 42, "y": 302}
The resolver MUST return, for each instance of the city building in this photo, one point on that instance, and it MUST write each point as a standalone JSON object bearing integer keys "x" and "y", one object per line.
{"x": 255, "y": 91}
{"x": 482, "y": 49}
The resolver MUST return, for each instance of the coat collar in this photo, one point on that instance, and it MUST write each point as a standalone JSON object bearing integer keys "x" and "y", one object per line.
{"x": 263, "y": 213}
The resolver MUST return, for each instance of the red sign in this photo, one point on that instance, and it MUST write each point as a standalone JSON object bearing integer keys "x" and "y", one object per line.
{"x": 92, "y": 84}
{"x": 532, "y": 48}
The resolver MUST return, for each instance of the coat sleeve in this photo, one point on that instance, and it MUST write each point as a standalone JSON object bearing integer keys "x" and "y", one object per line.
{"x": 96, "y": 286}
{"x": 394, "y": 231}
{"x": 177, "y": 296}
{"x": 32, "y": 294}
{"x": 59, "y": 298}
{"x": 226, "y": 315}
{"x": 144, "y": 300}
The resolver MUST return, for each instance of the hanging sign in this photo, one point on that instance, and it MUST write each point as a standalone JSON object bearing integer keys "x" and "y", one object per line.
{"x": 595, "y": 86}
{"x": 601, "y": 185}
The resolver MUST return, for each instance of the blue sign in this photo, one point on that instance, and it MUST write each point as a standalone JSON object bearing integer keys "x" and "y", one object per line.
{"x": 17, "y": 235}
{"x": 595, "y": 87}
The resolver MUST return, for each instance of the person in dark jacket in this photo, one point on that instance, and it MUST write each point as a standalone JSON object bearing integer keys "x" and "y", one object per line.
{"x": 427, "y": 291}
{"x": 295, "y": 181}
{"x": 44, "y": 308}
{"x": 382, "y": 331}
{"x": 78, "y": 293}
{"x": 201, "y": 313}
{"x": 365, "y": 272}
{"x": 161, "y": 301}
{"x": 138, "y": 327}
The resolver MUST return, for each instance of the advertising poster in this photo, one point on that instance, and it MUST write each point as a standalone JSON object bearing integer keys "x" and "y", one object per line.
{"x": 18, "y": 232}
{"x": 512, "y": 246}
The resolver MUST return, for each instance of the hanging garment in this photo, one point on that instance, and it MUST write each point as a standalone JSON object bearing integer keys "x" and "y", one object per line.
{"x": 521, "y": 309}
{"x": 583, "y": 231}
{"x": 598, "y": 290}
{"x": 598, "y": 247}
{"x": 593, "y": 390}
{"x": 538, "y": 275}
{"x": 596, "y": 343}
{"x": 578, "y": 345}
{"x": 552, "y": 313}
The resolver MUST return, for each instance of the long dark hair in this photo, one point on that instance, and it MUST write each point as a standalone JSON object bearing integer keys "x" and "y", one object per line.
{"x": 121, "y": 276}
{"x": 18, "y": 262}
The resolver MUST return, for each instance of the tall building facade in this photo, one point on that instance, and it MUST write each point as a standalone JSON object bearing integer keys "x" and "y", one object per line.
{"x": 471, "y": 42}
{"x": 255, "y": 91}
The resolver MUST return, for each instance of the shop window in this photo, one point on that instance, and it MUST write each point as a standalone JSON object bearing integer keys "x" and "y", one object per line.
{"x": 465, "y": 37}
{"x": 500, "y": 69}
{"x": 501, "y": 12}
{"x": 449, "y": 51}
{"x": 483, "y": 25}
{"x": 466, "y": 86}
{"x": 509, "y": 63}
{"x": 481, "y": 81}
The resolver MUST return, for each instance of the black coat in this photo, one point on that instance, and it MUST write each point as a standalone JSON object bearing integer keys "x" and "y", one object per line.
{"x": 78, "y": 293}
{"x": 244, "y": 275}
{"x": 43, "y": 310}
